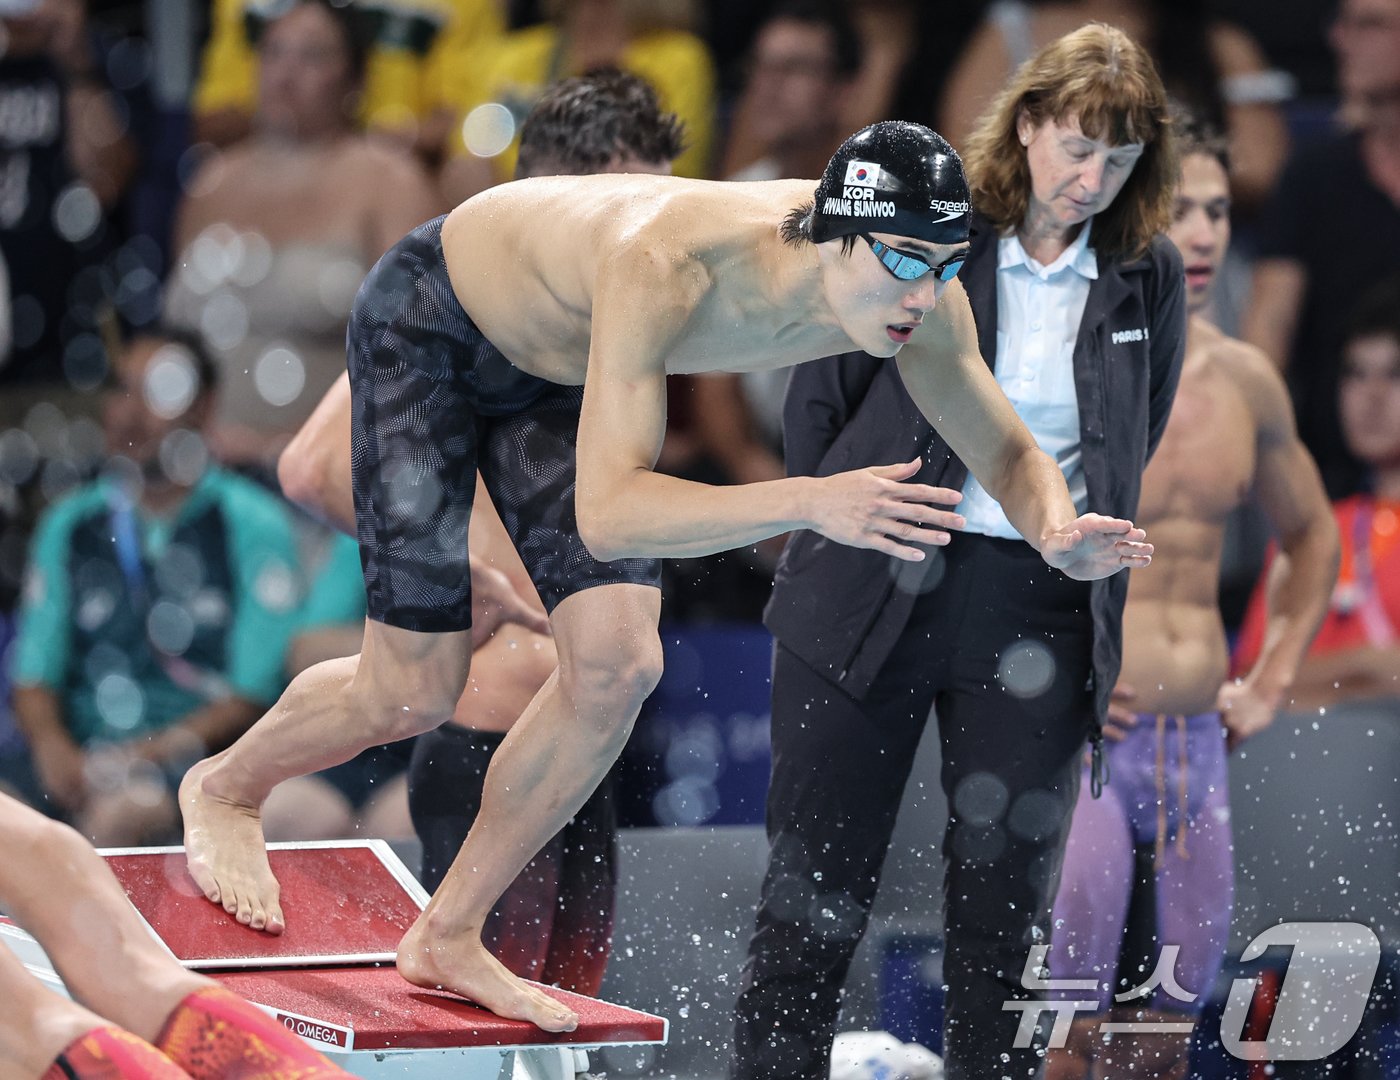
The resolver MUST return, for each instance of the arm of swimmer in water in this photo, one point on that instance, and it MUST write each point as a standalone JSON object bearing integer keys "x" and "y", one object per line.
{"x": 641, "y": 309}
{"x": 1289, "y": 489}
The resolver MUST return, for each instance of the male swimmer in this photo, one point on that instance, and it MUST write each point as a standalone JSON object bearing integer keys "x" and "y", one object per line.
{"x": 529, "y": 334}
{"x": 135, "y": 1011}
{"x": 1157, "y": 846}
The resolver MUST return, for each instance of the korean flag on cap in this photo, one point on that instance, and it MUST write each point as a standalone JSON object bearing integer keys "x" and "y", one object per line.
{"x": 863, "y": 173}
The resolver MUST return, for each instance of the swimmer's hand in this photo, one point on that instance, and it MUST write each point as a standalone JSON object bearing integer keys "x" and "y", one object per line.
{"x": 1244, "y": 711}
{"x": 1093, "y": 546}
{"x": 875, "y": 508}
{"x": 1120, "y": 718}
{"x": 495, "y": 602}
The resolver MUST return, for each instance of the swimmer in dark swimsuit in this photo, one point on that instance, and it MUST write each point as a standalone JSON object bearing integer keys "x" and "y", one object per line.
{"x": 470, "y": 344}
{"x": 554, "y": 923}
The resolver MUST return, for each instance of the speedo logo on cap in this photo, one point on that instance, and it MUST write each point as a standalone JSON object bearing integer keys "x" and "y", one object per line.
{"x": 949, "y": 209}
{"x": 864, "y": 173}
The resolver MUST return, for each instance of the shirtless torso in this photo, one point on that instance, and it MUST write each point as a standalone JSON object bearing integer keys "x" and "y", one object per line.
{"x": 1225, "y": 423}
{"x": 1231, "y": 437}
{"x": 702, "y": 263}
{"x": 638, "y": 277}
{"x": 611, "y": 282}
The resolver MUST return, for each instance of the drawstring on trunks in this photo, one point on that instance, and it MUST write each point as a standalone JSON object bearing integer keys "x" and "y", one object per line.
{"x": 1181, "y": 790}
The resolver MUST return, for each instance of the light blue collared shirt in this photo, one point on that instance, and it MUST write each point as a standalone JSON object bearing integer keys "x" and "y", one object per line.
{"x": 1039, "y": 309}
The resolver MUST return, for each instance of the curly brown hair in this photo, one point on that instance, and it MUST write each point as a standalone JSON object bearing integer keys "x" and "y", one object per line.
{"x": 1100, "y": 77}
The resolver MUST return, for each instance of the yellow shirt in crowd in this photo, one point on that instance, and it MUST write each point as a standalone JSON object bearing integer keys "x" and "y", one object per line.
{"x": 425, "y": 56}
{"x": 519, "y": 67}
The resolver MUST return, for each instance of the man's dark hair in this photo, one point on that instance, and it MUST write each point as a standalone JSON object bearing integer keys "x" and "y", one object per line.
{"x": 583, "y": 123}
{"x": 796, "y": 229}
{"x": 1197, "y": 135}
{"x": 846, "y": 53}
{"x": 1376, "y": 314}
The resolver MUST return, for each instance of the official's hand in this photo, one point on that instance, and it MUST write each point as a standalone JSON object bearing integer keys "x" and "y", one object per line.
{"x": 495, "y": 601}
{"x": 1120, "y": 718}
{"x": 875, "y": 508}
{"x": 1244, "y": 711}
{"x": 1093, "y": 546}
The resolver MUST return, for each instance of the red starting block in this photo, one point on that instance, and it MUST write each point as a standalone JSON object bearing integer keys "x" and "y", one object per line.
{"x": 330, "y": 976}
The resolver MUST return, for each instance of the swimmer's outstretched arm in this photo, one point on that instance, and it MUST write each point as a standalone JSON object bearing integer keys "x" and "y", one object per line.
{"x": 957, "y": 392}
{"x": 627, "y": 510}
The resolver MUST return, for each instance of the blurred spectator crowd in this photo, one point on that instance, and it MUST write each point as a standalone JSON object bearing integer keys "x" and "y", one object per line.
{"x": 189, "y": 201}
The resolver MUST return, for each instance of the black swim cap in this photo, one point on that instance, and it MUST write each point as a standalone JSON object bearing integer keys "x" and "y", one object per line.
{"x": 894, "y": 177}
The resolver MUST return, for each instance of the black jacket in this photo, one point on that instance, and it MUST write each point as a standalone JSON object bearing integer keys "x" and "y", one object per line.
{"x": 841, "y": 609}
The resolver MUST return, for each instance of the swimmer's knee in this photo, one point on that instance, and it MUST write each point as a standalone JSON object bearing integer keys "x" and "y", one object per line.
{"x": 389, "y": 714}
{"x": 609, "y": 679}
{"x": 406, "y": 683}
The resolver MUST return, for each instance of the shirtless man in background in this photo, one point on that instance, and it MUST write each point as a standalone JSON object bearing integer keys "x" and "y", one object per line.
{"x": 1158, "y": 841}
{"x": 469, "y": 345}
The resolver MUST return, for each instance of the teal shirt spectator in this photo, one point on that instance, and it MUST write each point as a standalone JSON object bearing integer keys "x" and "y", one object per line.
{"x": 137, "y": 621}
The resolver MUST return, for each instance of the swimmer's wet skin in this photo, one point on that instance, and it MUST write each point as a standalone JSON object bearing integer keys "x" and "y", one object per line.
{"x": 634, "y": 277}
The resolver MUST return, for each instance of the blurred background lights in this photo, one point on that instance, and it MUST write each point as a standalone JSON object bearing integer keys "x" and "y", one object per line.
{"x": 279, "y": 375}
{"x": 76, "y": 213}
{"x": 695, "y": 753}
{"x": 686, "y": 801}
{"x": 980, "y": 799}
{"x": 216, "y": 252}
{"x": 275, "y": 586}
{"x": 413, "y": 491}
{"x": 170, "y": 627}
{"x": 254, "y": 260}
{"x": 180, "y": 571}
{"x": 224, "y": 321}
{"x": 171, "y": 384}
{"x": 183, "y": 457}
{"x": 19, "y": 456}
{"x": 1026, "y": 669}
{"x": 120, "y": 702}
{"x": 44, "y": 423}
{"x": 337, "y": 283}
{"x": 85, "y": 361}
{"x": 105, "y": 659}
{"x": 488, "y": 129}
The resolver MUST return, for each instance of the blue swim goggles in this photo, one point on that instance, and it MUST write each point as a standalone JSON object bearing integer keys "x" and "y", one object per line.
{"x": 909, "y": 267}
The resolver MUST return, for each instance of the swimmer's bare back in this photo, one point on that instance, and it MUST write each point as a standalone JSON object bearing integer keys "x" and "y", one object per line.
{"x": 530, "y": 261}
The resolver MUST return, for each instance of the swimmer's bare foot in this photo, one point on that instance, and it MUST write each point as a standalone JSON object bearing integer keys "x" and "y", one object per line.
{"x": 226, "y": 853}
{"x": 460, "y": 964}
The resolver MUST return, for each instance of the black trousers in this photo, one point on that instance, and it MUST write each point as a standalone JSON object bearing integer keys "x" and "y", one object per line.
{"x": 1002, "y": 646}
